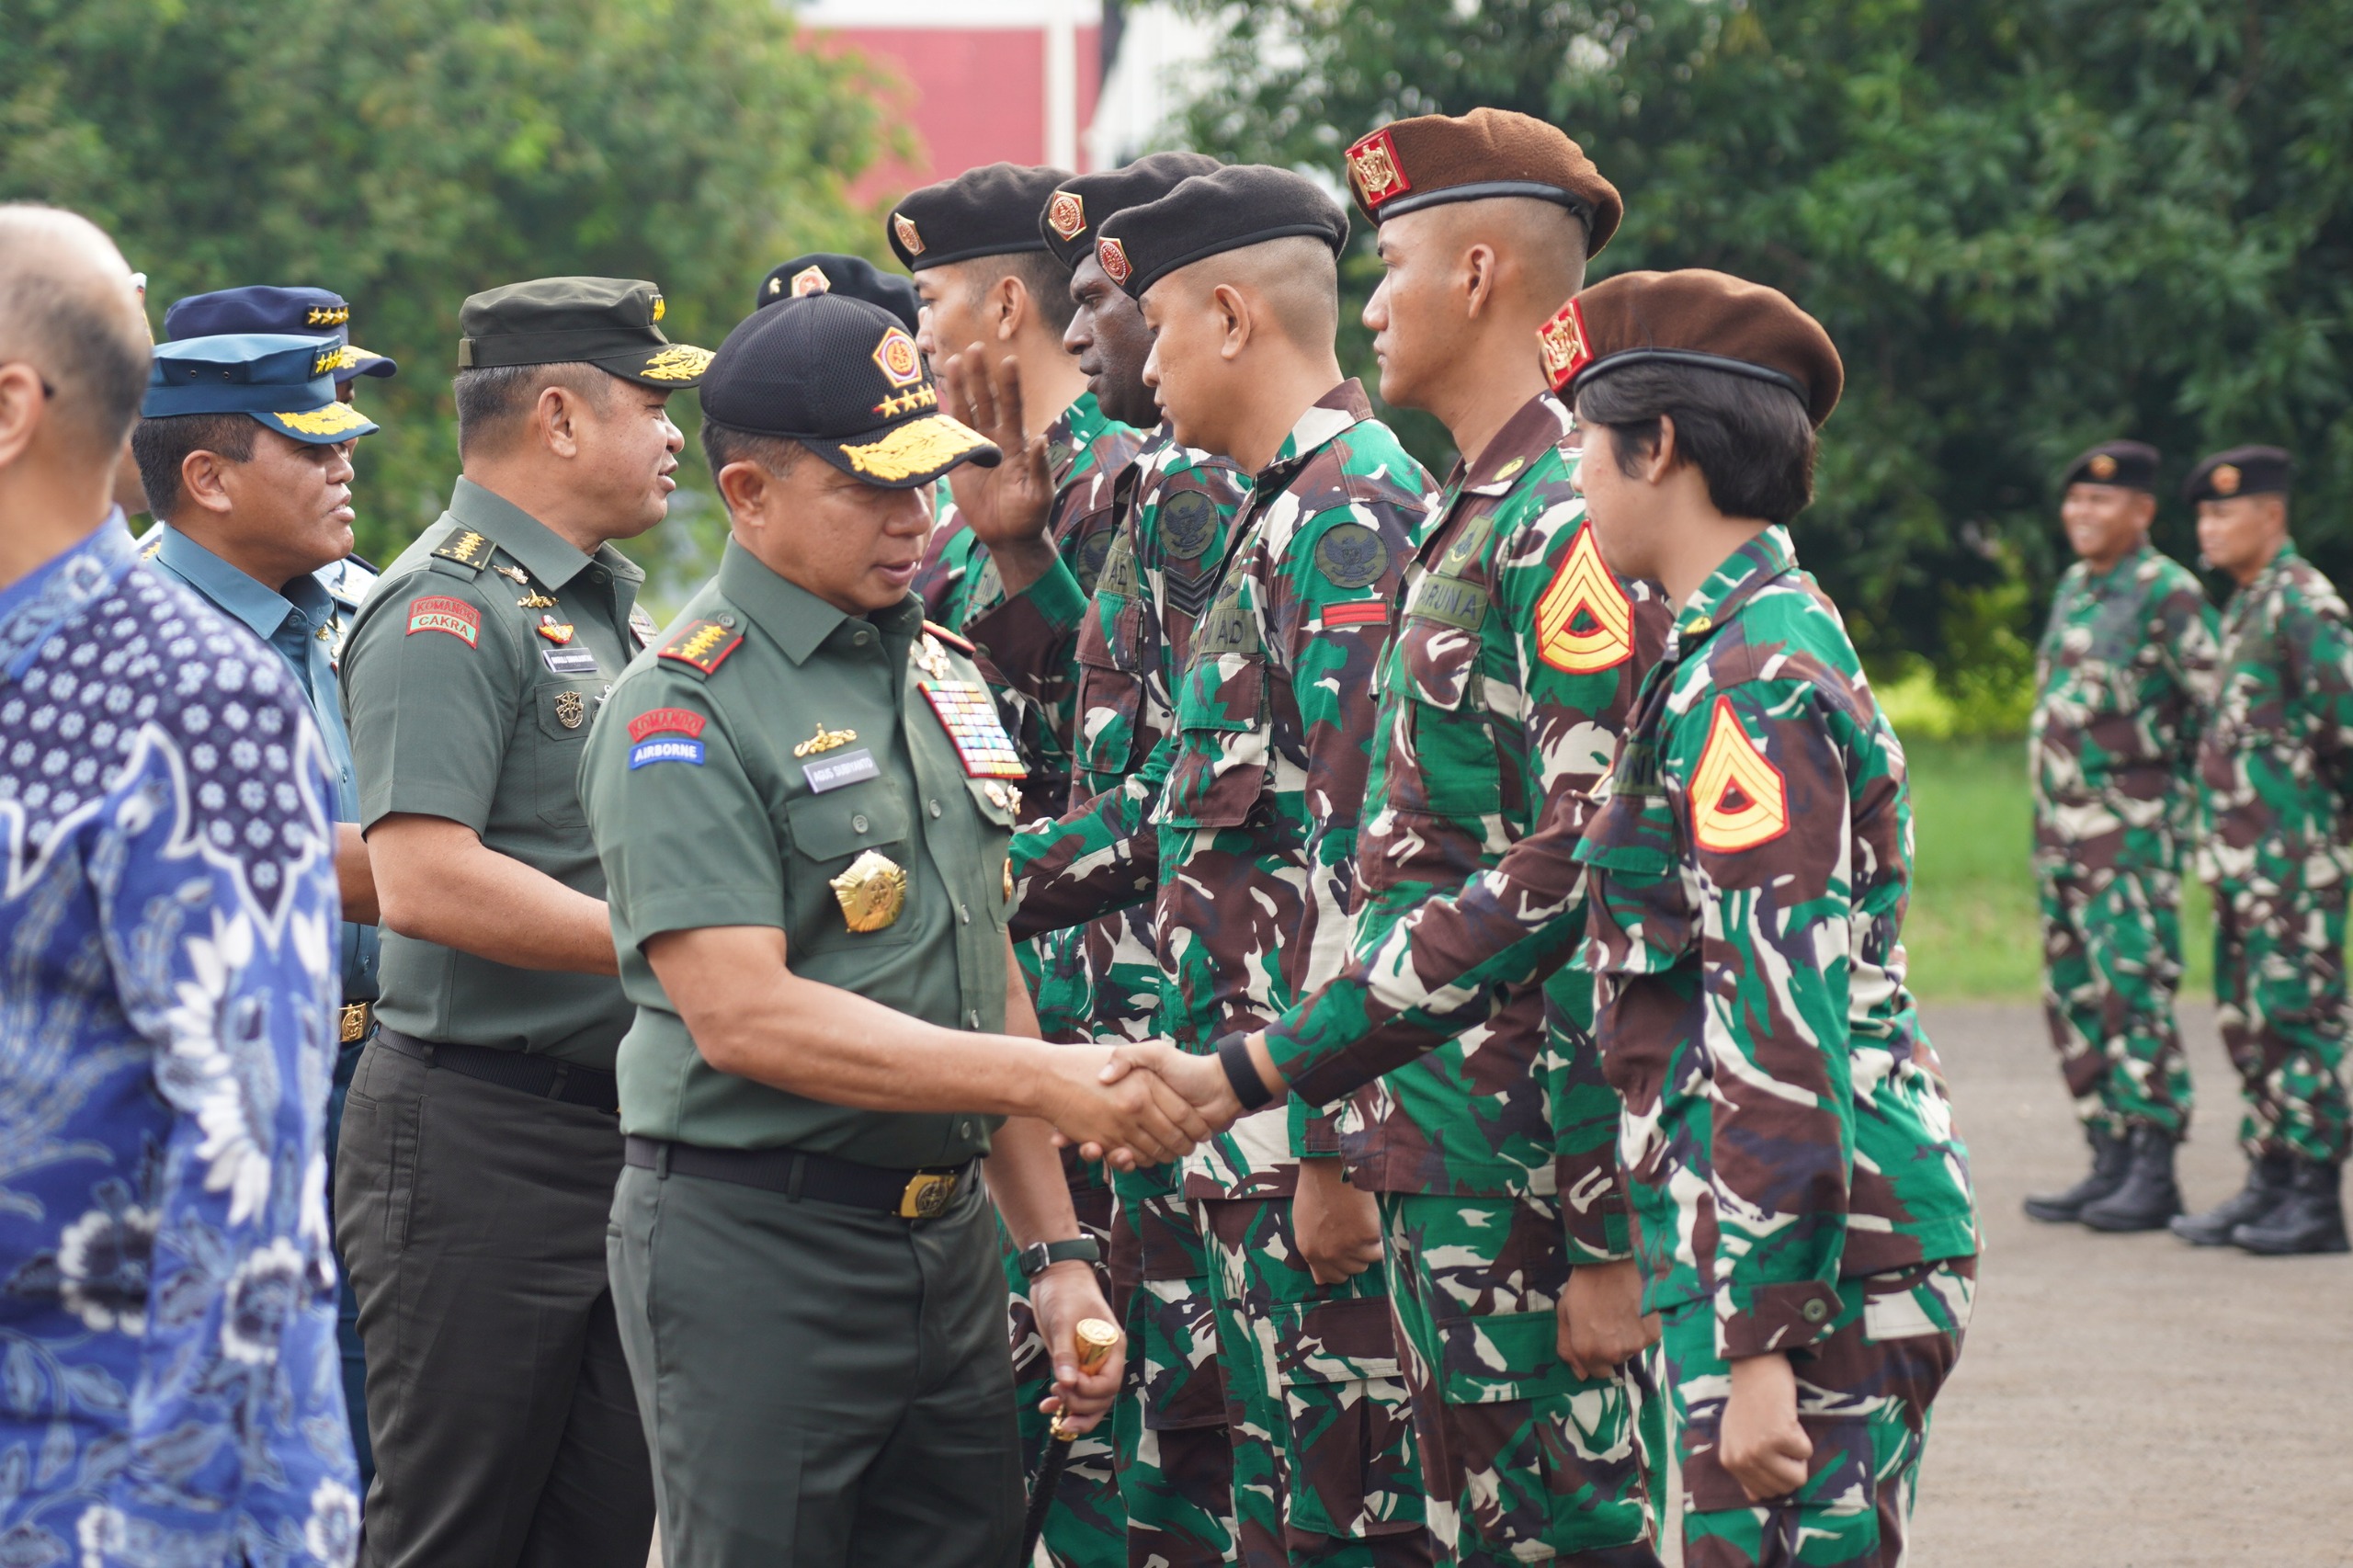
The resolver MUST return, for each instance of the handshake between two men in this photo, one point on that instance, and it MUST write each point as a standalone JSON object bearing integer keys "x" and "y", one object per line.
{"x": 1150, "y": 1103}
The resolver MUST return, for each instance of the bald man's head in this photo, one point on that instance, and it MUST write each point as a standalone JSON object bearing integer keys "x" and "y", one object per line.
{"x": 68, "y": 308}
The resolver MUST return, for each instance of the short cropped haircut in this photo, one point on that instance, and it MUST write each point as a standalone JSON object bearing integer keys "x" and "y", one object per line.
{"x": 161, "y": 446}
{"x": 724, "y": 444}
{"x": 1750, "y": 440}
{"x": 1046, "y": 278}
{"x": 491, "y": 398}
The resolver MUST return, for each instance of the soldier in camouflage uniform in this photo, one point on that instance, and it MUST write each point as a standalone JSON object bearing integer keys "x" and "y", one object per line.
{"x": 2124, "y": 673}
{"x": 1242, "y": 825}
{"x": 1009, "y": 567}
{"x": 2276, "y": 764}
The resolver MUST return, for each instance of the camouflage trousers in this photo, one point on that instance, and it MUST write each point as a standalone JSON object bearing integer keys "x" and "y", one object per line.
{"x": 1174, "y": 1455}
{"x": 2111, "y": 963}
{"x": 2280, "y": 990}
{"x": 1087, "y": 1527}
{"x": 1863, "y": 1398}
{"x": 1524, "y": 1460}
{"x": 1324, "y": 1470}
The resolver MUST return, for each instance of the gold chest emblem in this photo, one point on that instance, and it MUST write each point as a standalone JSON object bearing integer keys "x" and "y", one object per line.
{"x": 872, "y": 892}
{"x": 825, "y": 740}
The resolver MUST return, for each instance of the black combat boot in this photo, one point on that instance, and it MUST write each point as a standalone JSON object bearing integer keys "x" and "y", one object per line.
{"x": 2111, "y": 1158}
{"x": 2310, "y": 1219}
{"x": 2148, "y": 1199}
{"x": 2266, "y": 1189}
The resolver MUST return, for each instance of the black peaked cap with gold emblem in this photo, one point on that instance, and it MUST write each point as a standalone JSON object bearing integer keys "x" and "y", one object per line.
{"x": 1227, "y": 209}
{"x": 1431, "y": 159}
{"x": 1079, "y": 204}
{"x": 609, "y": 322}
{"x": 1710, "y": 320}
{"x": 2128, "y": 465}
{"x": 825, "y": 272}
{"x": 2240, "y": 470}
{"x": 991, "y": 211}
{"x": 843, "y": 378}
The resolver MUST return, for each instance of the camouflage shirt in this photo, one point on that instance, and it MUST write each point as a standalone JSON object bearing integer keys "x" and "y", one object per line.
{"x": 2277, "y": 758}
{"x": 1504, "y": 690}
{"x": 1786, "y": 1118}
{"x": 2123, "y": 678}
{"x": 1242, "y": 825}
{"x": 1026, "y": 640}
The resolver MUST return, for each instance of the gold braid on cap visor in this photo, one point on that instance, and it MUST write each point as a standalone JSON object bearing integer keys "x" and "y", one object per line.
{"x": 678, "y": 363}
{"x": 917, "y": 447}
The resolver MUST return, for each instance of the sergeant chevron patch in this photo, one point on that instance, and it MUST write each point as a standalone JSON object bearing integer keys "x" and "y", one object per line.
{"x": 1583, "y": 623}
{"x": 1738, "y": 799}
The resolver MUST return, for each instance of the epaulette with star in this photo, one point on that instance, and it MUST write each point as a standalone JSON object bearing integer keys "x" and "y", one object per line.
{"x": 702, "y": 645}
{"x": 467, "y": 549}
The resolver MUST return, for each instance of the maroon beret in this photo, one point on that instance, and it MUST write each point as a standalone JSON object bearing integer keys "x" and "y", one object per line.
{"x": 1412, "y": 164}
{"x": 1693, "y": 317}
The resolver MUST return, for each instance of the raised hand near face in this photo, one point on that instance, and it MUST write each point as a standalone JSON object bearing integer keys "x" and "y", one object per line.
{"x": 1007, "y": 506}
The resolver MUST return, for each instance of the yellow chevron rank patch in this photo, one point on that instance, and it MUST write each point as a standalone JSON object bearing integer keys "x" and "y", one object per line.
{"x": 1583, "y": 623}
{"x": 1738, "y": 799}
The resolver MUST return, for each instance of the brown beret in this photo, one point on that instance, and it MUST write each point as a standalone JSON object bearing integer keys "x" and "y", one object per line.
{"x": 1412, "y": 164}
{"x": 1693, "y": 317}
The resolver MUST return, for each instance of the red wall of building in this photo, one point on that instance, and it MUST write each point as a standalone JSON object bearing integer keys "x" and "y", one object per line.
{"x": 978, "y": 96}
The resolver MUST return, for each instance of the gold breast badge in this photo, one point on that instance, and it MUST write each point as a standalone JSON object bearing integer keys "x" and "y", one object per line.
{"x": 872, "y": 892}
{"x": 532, "y": 598}
{"x": 570, "y": 709}
{"x": 1004, "y": 797}
{"x": 825, "y": 740}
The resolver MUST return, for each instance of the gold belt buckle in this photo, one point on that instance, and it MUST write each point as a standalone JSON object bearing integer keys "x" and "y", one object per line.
{"x": 354, "y": 1024}
{"x": 927, "y": 1194}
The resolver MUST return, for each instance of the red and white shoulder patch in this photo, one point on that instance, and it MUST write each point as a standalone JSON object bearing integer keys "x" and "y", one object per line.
{"x": 440, "y": 613}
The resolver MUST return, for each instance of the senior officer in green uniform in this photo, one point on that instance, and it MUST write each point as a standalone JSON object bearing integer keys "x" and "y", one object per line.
{"x": 804, "y": 799}
{"x": 479, "y": 1146}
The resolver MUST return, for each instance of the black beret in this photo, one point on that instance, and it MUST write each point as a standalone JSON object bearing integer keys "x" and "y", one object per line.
{"x": 1434, "y": 158}
{"x": 841, "y": 377}
{"x": 2242, "y": 471}
{"x": 824, "y": 272}
{"x": 991, "y": 211}
{"x": 1080, "y": 204}
{"x": 2128, "y": 465}
{"x": 1238, "y": 205}
{"x": 1712, "y": 320}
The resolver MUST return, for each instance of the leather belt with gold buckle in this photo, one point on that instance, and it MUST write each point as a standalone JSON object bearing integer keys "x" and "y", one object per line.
{"x": 353, "y": 1026}
{"x": 929, "y": 1195}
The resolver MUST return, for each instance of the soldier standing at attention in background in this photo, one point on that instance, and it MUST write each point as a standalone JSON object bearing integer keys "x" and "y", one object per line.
{"x": 2122, "y": 679}
{"x": 253, "y": 509}
{"x": 2276, "y": 765}
{"x": 1243, "y": 825}
{"x": 480, "y": 1145}
{"x": 801, "y": 801}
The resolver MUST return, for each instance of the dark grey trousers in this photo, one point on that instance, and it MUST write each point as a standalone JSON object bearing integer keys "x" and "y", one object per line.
{"x": 472, "y": 1220}
{"x": 826, "y": 1387}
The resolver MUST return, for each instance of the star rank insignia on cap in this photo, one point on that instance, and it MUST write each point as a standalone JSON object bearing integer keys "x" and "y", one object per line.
{"x": 1113, "y": 257}
{"x": 703, "y": 645}
{"x": 1374, "y": 170}
{"x": 1562, "y": 343}
{"x": 811, "y": 280}
{"x": 1738, "y": 799}
{"x": 1066, "y": 214}
{"x": 1583, "y": 623}
{"x": 903, "y": 226}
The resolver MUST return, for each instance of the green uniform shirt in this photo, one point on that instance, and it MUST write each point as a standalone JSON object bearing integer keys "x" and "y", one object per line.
{"x": 461, "y": 705}
{"x": 769, "y": 744}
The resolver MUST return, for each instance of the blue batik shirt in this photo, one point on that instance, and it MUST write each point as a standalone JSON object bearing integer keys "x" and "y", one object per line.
{"x": 304, "y": 623}
{"x": 170, "y": 1393}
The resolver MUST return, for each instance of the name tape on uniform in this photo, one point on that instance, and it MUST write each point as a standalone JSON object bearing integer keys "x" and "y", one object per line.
{"x": 850, "y": 767}
{"x": 571, "y": 661}
{"x": 436, "y": 612}
{"x": 646, "y": 753}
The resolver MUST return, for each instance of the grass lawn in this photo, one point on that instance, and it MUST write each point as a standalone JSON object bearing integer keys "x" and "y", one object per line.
{"x": 1971, "y": 929}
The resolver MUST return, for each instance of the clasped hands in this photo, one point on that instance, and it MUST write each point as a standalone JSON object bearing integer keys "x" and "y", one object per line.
{"x": 1136, "y": 1104}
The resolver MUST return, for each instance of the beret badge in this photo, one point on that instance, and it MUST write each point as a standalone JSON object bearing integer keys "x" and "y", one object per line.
{"x": 2102, "y": 467}
{"x": 897, "y": 358}
{"x": 1066, "y": 214}
{"x": 2226, "y": 479}
{"x": 811, "y": 280}
{"x": 1113, "y": 258}
{"x": 1374, "y": 169}
{"x": 1561, "y": 341}
{"x": 905, "y": 228}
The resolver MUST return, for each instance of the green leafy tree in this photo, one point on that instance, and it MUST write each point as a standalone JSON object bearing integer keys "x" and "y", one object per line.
{"x": 2029, "y": 224}
{"x": 409, "y": 152}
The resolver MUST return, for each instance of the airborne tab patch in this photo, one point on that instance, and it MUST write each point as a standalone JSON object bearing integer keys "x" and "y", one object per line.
{"x": 466, "y": 548}
{"x": 1738, "y": 799}
{"x": 1583, "y": 623}
{"x": 703, "y": 645}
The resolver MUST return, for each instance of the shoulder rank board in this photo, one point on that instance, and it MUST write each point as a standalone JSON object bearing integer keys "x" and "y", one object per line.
{"x": 702, "y": 644}
{"x": 466, "y": 548}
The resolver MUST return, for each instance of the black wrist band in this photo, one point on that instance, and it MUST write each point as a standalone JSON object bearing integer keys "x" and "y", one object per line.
{"x": 1234, "y": 1055}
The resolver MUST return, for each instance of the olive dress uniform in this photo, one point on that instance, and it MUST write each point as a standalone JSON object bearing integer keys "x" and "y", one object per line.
{"x": 479, "y": 1143}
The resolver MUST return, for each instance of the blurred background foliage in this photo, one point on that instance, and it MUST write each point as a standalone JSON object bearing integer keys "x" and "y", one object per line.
{"x": 409, "y": 152}
{"x": 2029, "y": 224}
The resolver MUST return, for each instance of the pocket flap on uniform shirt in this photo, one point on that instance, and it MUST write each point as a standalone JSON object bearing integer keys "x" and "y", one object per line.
{"x": 1336, "y": 1342}
{"x": 843, "y": 823}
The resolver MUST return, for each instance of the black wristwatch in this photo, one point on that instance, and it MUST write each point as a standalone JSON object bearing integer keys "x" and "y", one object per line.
{"x": 1038, "y": 1258}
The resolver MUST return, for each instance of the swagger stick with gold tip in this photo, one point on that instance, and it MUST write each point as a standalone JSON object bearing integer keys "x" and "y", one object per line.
{"x": 1094, "y": 1340}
